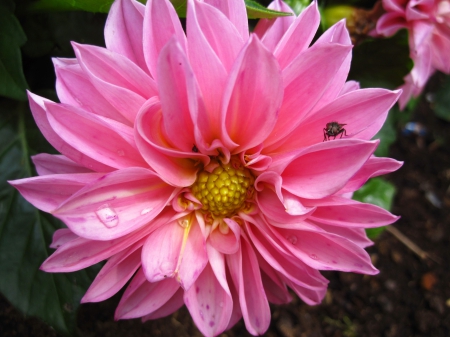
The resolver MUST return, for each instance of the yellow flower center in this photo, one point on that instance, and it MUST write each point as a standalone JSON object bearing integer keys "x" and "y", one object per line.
{"x": 224, "y": 188}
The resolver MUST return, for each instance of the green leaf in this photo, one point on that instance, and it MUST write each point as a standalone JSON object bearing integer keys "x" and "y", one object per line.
{"x": 298, "y": 5}
{"x": 25, "y": 234}
{"x": 258, "y": 11}
{"x": 441, "y": 105}
{"x": 12, "y": 80}
{"x": 381, "y": 62}
{"x": 379, "y": 192}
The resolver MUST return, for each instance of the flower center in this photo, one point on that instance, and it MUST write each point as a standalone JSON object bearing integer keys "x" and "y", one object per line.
{"x": 223, "y": 188}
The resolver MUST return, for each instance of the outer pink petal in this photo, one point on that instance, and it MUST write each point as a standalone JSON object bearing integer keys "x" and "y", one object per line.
{"x": 252, "y": 96}
{"x": 161, "y": 23}
{"x": 209, "y": 304}
{"x": 440, "y": 45}
{"x": 61, "y": 237}
{"x": 271, "y": 31}
{"x": 81, "y": 253}
{"x": 390, "y": 23}
{"x": 119, "y": 80}
{"x": 74, "y": 87}
{"x": 326, "y": 251}
{"x": 364, "y": 111}
{"x": 244, "y": 270}
{"x": 168, "y": 308}
{"x": 299, "y": 35}
{"x": 309, "y": 296}
{"x": 49, "y": 191}
{"x": 356, "y": 235}
{"x": 114, "y": 274}
{"x": 173, "y": 72}
{"x": 350, "y": 213}
{"x": 236, "y": 12}
{"x": 276, "y": 290}
{"x": 109, "y": 142}
{"x": 173, "y": 165}
{"x": 209, "y": 69}
{"x": 215, "y": 30}
{"x": 53, "y": 164}
{"x": 117, "y": 204}
{"x": 374, "y": 167}
{"x": 311, "y": 175}
{"x": 124, "y": 30}
{"x": 305, "y": 80}
{"x": 37, "y": 106}
{"x": 142, "y": 297}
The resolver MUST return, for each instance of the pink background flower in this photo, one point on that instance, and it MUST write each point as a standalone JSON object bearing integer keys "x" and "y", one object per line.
{"x": 428, "y": 24}
{"x": 195, "y": 163}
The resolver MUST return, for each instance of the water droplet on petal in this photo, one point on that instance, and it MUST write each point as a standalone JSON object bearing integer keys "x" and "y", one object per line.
{"x": 107, "y": 215}
{"x": 183, "y": 222}
{"x": 313, "y": 256}
{"x": 146, "y": 210}
{"x": 221, "y": 304}
{"x": 292, "y": 239}
{"x": 166, "y": 268}
{"x": 201, "y": 315}
{"x": 121, "y": 153}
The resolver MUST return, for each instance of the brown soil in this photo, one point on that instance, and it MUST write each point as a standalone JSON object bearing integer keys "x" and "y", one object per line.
{"x": 410, "y": 296}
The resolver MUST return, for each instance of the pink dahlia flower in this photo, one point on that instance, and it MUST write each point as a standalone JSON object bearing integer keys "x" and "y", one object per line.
{"x": 428, "y": 24}
{"x": 196, "y": 164}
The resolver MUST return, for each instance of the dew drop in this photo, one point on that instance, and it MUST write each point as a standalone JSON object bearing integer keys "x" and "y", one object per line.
{"x": 120, "y": 153}
{"x": 221, "y": 304}
{"x": 183, "y": 222}
{"x": 146, "y": 210}
{"x": 201, "y": 315}
{"x": 107, "y": 215}
{"x": 166, "y": 268}
{"x": 313, "y": 256}
{"x": 292, "y": 239}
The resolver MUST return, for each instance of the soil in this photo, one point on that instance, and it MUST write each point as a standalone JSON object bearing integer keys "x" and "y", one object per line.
{"x": 409, "y": 297}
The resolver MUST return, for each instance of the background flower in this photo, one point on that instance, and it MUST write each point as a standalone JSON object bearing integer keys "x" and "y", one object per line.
{"x": 428, "y": 23}
{"x": 196, "y": 163}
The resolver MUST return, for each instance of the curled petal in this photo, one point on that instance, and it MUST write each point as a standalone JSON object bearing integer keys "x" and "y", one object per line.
{"x": 56, "y": 164}
{"x": 62, "y": 236}
{"x": 225, "y": 238}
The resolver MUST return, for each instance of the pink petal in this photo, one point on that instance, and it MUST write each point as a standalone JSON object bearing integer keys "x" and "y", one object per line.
{"x": 364, "y": 111}
{"x": 81, "y": 253}
{"x": 174, "y": 166}
{"x": 246, "y": 276}
{"x": 119, "y": 80}
{"x": 37, "y": 106}
{"x": 390, "y": 23}
{"x": 161, "y": 23}
{"x": 309, "y": 296}
{"x": 275, "y": 288}
{"x": 173, "y": 72}
{"x": 236, "y": 12}
{"x": 298, "y": 36}
{"x": 319, "y": 66}
{"x": 207, "y": 66}
{"x": 168, "y": 308}
{"x": 161, "y": 252}
{"x": 109, "y": 142}
{"x": 325, "y": 168}
{"x": 214, "y": 31}
{"x": 326, "y": 251}
{"x": 61, "y": 237}
{"x": 193, "y": 258}
{"x": 142, "y": 297}
{"x": 271, "y": 31}
{"x": 252, "y": 96}
{"x": 226, "y": 242}
{"x": 50, "y": 191}
{"x": 123, "y": 30}
{"x": 53, "y": 164}
{"x": 350, "y": 213}
{"x": 74, "y": 87}
{"x": 374, "y": 167}
{"x": 117, "y": 204}
{"x": 356, "y": 235}
{"x": 114, "y": 274}
{"x": 209, "y": 304}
